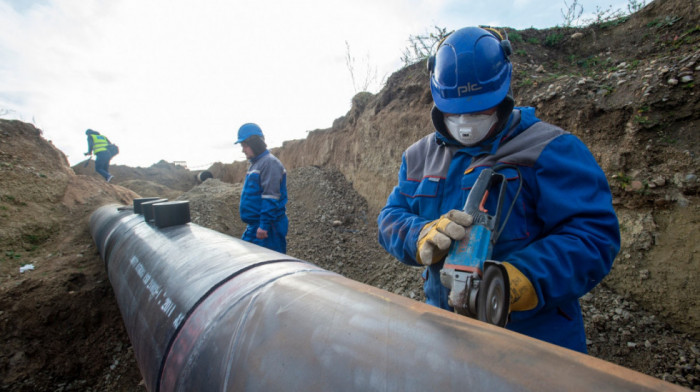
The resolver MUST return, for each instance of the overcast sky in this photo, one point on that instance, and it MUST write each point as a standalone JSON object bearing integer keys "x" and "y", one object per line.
{"x": 174, "y": 79}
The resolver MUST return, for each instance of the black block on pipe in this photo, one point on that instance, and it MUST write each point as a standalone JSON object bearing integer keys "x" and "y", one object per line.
{"x": 141, "y": 200}
{"x": 208, "y": 312}
{"x": 147, "y": 209}
{"x": 171, "y": 213}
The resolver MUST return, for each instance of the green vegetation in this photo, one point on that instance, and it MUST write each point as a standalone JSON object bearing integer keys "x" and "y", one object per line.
{"x": 602, "y": 17}
{"x": 12, "y": 255}
{"x": 514, "y": 36}
{"x": 553, "y": 39}
{"x": 642, "y": 120}
{"x": 12, "y": 200}
{"x": 608, "y": 89}
{"x": 523, "y": 80}
{"x": 35, "y": 239}
{"x": 634, "y": 5}
{"x": 423, "y": 45}
{"x": 615, "y": 21}
{"x": 572, "y": 14}
{"x": 664, "y": 137}
{"x": 623, "y": 180}
{"x": 668, "y": 20}
{"x": 588, "y": 63}
{"x": 527, "y": 82}
{"x": 593, "y": 63}
{"x": 689, "y": 37}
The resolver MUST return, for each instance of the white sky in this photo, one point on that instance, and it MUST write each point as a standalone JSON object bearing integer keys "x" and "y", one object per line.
{"x": 174, "y": 79}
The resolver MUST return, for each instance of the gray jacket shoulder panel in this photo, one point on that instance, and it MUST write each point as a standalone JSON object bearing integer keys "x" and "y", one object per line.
{"x": 427, "y": 158}
{"x": 271, "y": 172}
{"x": 525, "y": 148}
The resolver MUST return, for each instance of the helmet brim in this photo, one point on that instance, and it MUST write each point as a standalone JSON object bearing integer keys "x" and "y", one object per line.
{"x": 470, "y": 103}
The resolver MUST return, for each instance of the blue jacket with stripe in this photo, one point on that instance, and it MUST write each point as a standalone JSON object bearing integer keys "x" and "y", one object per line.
{"x": 563, "y": 233}
{"x": 263, "y": 202}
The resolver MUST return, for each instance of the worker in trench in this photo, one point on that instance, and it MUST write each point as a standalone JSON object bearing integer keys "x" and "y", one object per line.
{"x": 562, "y": 234}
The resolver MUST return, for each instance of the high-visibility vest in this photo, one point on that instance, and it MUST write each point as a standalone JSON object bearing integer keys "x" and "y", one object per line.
{"x": 99, "y": 143}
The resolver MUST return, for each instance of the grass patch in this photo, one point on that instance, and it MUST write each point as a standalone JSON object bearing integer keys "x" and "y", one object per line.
{"x": 12, "y": 200}
{"x": 642, "y": 120}
{"x": 553, "y": 39}
{"x": 514, "y": 36}
{"x": 622, "y": 179}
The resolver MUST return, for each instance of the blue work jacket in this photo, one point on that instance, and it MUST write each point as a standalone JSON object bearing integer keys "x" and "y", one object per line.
{"x": 563, "y": 233}
{"x": 263, "y": 202}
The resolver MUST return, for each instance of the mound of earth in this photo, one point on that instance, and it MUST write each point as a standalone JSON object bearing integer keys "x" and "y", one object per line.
{"x": 60, "y": 325}
{"x": 170, "y": 175}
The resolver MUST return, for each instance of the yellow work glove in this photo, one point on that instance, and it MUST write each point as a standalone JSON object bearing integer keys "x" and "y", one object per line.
{"x": 522, "y": 293}
{"x": 436, "y": 236}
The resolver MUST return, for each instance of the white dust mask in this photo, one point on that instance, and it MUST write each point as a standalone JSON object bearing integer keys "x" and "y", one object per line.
{"x": 470, "y": 129}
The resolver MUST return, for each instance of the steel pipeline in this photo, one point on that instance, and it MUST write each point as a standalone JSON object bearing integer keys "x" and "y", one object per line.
{"x": 208, "y": 312}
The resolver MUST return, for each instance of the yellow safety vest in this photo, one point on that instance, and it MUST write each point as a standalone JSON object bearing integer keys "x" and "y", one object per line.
{"x": 99, "y": 143}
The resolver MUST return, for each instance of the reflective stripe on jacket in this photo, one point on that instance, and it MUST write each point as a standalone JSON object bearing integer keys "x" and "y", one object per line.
{"x": 563, "y": 233}
{"x": 264, "y": 195}
{"x": 99, "y": 143}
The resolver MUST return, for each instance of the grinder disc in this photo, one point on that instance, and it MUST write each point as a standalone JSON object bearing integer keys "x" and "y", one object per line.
{"x": 494, "y": 297}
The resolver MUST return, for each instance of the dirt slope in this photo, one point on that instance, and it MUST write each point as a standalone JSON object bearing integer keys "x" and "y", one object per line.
{"x": 60, "y": 324}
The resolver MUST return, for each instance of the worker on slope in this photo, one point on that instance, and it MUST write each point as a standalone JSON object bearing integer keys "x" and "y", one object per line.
{"x": 97, "y": 144}
{"x": 562, "y": 235}
{"x": 264, "y": 196}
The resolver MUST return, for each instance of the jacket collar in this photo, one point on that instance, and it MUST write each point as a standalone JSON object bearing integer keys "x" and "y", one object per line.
{"x": 262, "y": 154}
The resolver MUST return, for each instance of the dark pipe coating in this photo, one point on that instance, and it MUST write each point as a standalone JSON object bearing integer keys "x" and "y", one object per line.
{"x": 208, "y": 312}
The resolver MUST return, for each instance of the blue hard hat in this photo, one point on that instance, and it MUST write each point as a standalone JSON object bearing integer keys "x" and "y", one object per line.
{"x": 470, "y": 71}
{"x": 247, "y": 130}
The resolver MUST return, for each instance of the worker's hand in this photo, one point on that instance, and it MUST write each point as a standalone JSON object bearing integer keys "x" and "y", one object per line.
{"x": 87, "y": 153}
{"x": 522, "y": 293}
{"x": 436, "y": 237}
{"x": 261, "y": 234}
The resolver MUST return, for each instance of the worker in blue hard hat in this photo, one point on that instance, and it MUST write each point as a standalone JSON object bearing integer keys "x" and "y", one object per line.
{"x": 264, "y": 195}
{"x": 561, "y": 235}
